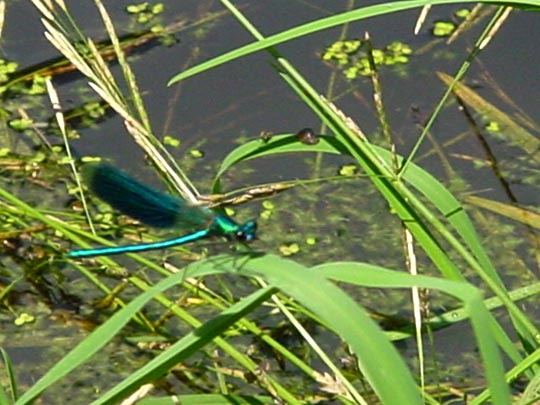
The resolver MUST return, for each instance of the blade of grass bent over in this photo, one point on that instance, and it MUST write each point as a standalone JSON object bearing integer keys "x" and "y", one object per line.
{"x": 421, "y": 180}
{"x": 326, "y": 23}
{"x": 396, "y": 194}
{"x": 481, "y": 319}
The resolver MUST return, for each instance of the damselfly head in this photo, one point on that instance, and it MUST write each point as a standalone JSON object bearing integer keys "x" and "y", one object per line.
{"x": 247, "y": 232}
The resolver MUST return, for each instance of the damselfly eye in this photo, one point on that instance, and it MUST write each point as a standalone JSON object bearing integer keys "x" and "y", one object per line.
{"x": 244, "y": 237}
{"x": 247, "y": 232}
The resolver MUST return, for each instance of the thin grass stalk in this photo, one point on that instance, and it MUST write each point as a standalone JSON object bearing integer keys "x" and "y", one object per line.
{"x": 500, "y": 17}
{"x": 325, "y": 23}
{"x": 62, "y": 228}
{"x": 103, "y": 83}
{"x": 45, "y": 9}
{"x": 376, "y": 170}
{"x": 241, "y": 358}
{"x": 421, "y": 18}
{"x": 2, "y": 16}
{"x": 466, "y": 24}
{"x": 252, "y": 48}
{"x": 10, "y": 374}
{"x": 439, "y": 255}
{"x": 329, "y": 94}
{"x": 104, "y": 77}
{"x": 512, "y": 375}
{"x": 351, "y": 392}
{"x": 127, "y": 72}
{"x": 60, "y": 42}
{"x": 55, "y": 101}
{"x": 464, "y": 68}
{"x": 377, "y": 173}
{"x": 158, "y": 153}
{"x": 407, "y": 239}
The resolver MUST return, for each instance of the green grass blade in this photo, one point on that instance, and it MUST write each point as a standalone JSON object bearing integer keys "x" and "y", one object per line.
{"x": 4, "y": 398}
{"x": 11, "y": 378}
{"x": 378, "y": 359}
{"x": 185, "y": 347}
{"x": 208, "y": 399}
{"x": 515, "y": 134}
{"x": 420, "y": 179}
{"x": 415, "y": 215}
{"x": 481, "y": 320}
{"x": 101, "y": 336}
{"x": 517, "y": 214}
{"x": 325, "y": 23}
{"x": 512, "y": 375}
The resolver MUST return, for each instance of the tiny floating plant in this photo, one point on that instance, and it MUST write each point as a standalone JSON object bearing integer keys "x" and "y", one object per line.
{"x": 156, "y": 209}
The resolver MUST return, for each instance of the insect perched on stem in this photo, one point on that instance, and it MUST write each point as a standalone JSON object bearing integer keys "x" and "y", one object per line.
{"x": 156, "y": 209}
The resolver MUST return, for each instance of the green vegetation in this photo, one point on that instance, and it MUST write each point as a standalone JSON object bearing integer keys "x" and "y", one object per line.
{"x": 243, "y": 326}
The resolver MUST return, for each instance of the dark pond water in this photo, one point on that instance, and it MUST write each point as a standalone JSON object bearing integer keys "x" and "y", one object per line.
{"x": 215, "y": 111}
